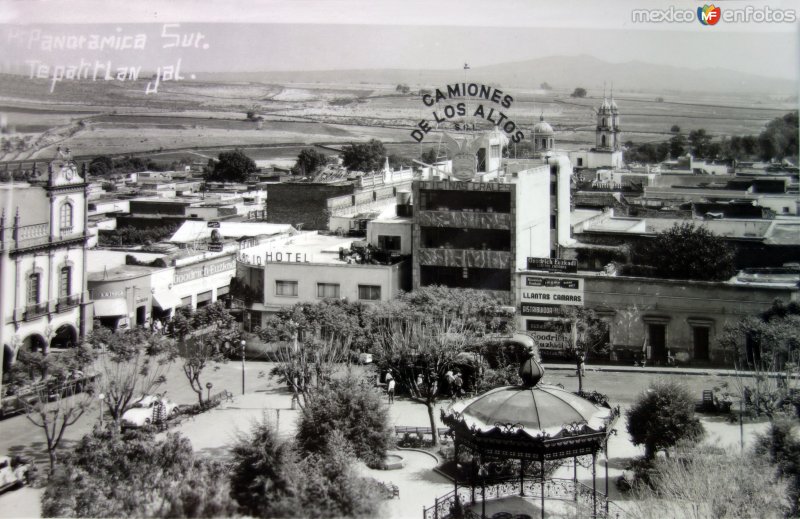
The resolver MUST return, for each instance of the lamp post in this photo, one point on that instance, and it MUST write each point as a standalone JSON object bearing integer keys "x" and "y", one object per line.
{"x": 209, "y": 385}
{"x": 244, "y": 343}
{"x": 102, "y": 398}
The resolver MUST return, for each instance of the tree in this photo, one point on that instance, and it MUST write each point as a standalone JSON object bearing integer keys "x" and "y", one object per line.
{"x": 58, "y": 400}
{"x": 590, "y": 334}
{"x": 429, "y": 157}
{"x": 403, "y": 88}
{"x": 309, "y": 160}
{"x": 356, "y": 409}
{"x": 231, "y": 166}
{"x": 700, "y": 141}
{"x": 418, "y": 354}
{"x": 677, "y": 145}
{"x": 662, "y": 416}
{"x": 205, "y": 337}
{"x": 136, "y": 475}
{"x": 578, "y": 92}
{"x": 366, "y": 157}
{"x": 545, "y": 86}
{"x": 675, "y": 128}
{"x": 132, "y": 363}
{"x": 686, "y": 251}
{"x": 101, "y": 166}
{"x": 705, "y": 482}
{"x": 779, "y": 138}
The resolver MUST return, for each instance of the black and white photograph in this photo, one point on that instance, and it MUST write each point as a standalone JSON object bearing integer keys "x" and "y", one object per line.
{"x": 454, "y": 259}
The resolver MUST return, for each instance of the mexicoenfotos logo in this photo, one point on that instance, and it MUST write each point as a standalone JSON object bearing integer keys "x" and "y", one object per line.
{"x": 708, "y": 14}
{"x": 711, "y": 15}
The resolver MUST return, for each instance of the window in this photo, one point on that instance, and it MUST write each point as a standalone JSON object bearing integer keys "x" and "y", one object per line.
{"x": 580, "y": 161}
{"x": 553, "y": 188}
{"x": 603, "y": 141}
{"x": 286, "y": 288}
{"x": 33, "y": 289}
{"x": 65, "y": 282}
{"x": 389, "y": 242}
{"x": 326, "y": 290}
{"x": 495, "y": 151}
{"x": 553, "y": 222}
{"x": 369, "y": 292}
{"x": 66, "y": 218}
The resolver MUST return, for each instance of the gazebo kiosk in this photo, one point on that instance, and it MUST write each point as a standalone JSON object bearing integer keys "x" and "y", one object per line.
{"x": 531, "y": 422}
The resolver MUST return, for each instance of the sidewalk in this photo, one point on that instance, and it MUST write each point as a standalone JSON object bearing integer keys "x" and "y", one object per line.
{"x": 661, "y": 370}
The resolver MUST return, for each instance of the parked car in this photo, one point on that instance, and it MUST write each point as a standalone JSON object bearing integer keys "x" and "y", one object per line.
{"x": 142, "y": 412}
{"x": 13, "y": 472}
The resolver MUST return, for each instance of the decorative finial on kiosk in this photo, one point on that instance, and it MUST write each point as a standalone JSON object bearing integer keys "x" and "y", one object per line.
{"x": 531, "y": 372}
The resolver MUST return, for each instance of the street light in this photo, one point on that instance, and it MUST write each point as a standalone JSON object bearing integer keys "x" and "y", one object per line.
{"x": 209, "y": 385}
{"x": 102, "y": 398}
{"x": 244, "y": 343}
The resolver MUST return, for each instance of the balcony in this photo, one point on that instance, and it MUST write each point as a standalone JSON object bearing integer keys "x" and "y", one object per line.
{"x": 34, "y": 311}
{"x": 468, "y": 220}
{"x": 487, "y": 259}
{"x": 65, "y": 303}
{"x": 18, "y": 238}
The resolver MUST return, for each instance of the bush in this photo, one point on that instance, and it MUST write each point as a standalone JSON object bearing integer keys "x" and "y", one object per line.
{"x": 662, "y": 416}
{"x": 414, "y": 441}
{"x": 354, "y": 408}
{"x": 135, "y": 474}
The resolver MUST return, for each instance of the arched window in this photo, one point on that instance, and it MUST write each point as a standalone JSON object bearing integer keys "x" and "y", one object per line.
{"x": 604, "y": 121}
{"x": 33, "y": 289}
{"x": 66, "y": 217}
{"x": 603, "y": 141}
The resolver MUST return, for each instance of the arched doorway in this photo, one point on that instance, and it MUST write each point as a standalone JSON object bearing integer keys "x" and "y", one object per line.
{"x": 8, "y": 360}
{"x": 34, "y": 343}
{"x": 66, "y": 337}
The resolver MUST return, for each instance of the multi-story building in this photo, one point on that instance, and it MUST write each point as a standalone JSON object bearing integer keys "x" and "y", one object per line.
{"x": 474, "y": 228}
{"x": 42, "y": 261}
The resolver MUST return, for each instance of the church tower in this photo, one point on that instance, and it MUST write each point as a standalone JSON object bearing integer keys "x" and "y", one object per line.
{"x": 607, "y": 137}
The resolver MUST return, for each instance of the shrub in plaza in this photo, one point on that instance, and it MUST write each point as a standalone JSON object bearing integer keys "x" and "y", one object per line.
{"x": 259, "y": 479}
{"x": 274, "y": 479}
{"x": 353, "y": 407}
{"x": 706, "y": 482}
{"x": 109, "y": 474}
{"x": 780, "y": 445}
{"x": 662, "y": 416}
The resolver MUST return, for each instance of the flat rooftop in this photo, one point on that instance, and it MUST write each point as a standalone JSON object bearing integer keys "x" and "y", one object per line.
{"x": 311, "y": 247}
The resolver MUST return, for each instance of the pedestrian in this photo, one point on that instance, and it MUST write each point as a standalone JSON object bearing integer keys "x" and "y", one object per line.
{"x": 458, "y": 382}
{"x": 450, "y": 378}
{"x": 390, "y": 390}
{"x": 582, "y": 363}
{"x": 419, "y": 383}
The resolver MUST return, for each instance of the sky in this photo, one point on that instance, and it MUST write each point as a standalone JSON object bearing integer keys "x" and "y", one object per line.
{"x": 355, "y": 34}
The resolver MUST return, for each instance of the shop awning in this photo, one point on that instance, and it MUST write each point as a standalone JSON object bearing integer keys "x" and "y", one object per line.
{"x": 165, "y": 300}
{"x": 110, "y": 307}
{"x": 204, "y": 296}
{"x": 223, "y": 291}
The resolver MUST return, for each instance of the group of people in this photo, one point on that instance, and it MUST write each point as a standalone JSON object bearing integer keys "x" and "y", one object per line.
{"x": 455, "y": 384}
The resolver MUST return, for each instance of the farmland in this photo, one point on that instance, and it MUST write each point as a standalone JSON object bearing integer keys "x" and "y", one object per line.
{"x": 199, "y": 119}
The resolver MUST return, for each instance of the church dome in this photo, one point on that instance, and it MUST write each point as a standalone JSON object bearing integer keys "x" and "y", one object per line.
{"x": 542, "y": 127}
{"x": 534, "y": 408}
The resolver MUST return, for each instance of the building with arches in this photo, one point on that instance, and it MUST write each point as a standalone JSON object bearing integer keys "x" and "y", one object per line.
{"x": 43, "y": 244}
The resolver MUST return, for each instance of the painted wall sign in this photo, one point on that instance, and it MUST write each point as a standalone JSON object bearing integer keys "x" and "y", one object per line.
{"x": 553, "y": 265}
{"x": 275, "y": 257}
{"x": 556, "y": 290}
{"x": 545, "y": 310}
{"x": 192, "y": 272}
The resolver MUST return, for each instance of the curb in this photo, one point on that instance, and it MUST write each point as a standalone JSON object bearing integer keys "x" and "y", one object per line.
{"x": 432, "y": 455}
{"x": 657, "y": 371}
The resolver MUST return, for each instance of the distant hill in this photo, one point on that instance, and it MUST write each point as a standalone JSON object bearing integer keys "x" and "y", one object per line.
{"x": 559, "y": 71}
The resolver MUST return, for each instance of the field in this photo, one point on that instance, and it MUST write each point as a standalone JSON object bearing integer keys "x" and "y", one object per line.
{"x": 196, "y": 120}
